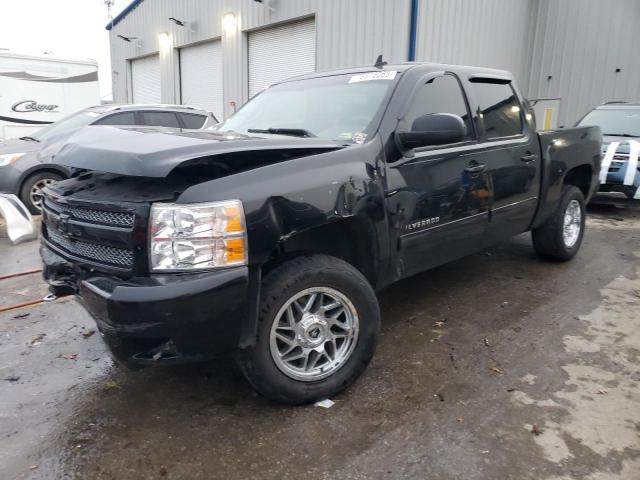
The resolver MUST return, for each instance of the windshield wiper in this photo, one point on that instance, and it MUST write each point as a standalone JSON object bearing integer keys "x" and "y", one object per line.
{"x": 31, "y": 139}
{"x": 292, "y": 132}
{"x": 626, "y": 135}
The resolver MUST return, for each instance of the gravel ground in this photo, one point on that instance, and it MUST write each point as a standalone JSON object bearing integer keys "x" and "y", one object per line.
{"x": 498, "y": 366}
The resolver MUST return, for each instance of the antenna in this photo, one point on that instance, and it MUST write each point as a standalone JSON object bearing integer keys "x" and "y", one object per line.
{"x": 109, "y": 5}
{"x": 379, "y": 62}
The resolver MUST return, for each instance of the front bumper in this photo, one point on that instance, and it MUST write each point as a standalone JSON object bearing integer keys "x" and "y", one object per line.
{"x": 615, "y": 180}
{"x": 162, "y": 318}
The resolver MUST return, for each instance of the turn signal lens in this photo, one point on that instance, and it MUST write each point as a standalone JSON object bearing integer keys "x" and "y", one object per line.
{"x": 9, "y": 158}
{"x": 197, "y": 236}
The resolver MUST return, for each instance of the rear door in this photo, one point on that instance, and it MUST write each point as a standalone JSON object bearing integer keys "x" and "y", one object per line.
{"x": 510, "y": 153}
{"x": 438, "y": 199}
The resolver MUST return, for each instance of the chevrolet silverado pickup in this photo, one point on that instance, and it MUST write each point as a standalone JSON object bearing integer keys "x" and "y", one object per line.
{"x": 270, "y": 236}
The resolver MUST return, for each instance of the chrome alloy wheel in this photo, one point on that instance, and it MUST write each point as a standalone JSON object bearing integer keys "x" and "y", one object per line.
{"x": 314, "y": 334}
{"x": 572, "y": 223}
{"x": 35, "y": 195}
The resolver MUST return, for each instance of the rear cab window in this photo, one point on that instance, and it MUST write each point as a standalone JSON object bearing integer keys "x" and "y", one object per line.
{"x": 499, "y": 108}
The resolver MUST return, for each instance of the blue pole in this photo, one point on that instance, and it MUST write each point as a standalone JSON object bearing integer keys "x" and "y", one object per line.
{"x": 413, "y": 30}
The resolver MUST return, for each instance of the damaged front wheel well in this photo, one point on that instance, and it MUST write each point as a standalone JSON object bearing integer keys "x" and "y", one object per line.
{"x": 351, "y": 240}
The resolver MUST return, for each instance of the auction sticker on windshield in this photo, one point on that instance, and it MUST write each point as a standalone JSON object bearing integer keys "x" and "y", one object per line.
{"x": 366, "y": 77}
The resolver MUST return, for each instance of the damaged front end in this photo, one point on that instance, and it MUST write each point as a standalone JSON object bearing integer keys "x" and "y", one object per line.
{"x": 95, "y": 246}
{"x": 96, "y": 238}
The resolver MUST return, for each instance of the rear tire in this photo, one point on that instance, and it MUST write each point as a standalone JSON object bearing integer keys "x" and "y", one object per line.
{"x": 30, "y": 192}
{"x": 337, "y": 330}
{"x": 561, "y": 235}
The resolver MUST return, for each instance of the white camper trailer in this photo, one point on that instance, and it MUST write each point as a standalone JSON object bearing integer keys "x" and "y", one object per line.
{"x": 39, "y": 90}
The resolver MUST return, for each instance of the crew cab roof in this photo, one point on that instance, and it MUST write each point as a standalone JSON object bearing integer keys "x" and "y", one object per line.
{"x": 470, "y": 72}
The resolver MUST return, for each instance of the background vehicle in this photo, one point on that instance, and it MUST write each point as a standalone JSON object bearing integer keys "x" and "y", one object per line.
{"x": 26, "y": 164}
{"x": 620, "y": 125}
{"x": 40, "y": 90}
{"x": 270, "y": 235}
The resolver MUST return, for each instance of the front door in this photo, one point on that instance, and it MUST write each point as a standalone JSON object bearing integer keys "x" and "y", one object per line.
{"x": 438, "y": 199}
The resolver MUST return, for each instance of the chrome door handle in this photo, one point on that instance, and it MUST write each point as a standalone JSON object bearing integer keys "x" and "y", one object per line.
{"x": 528, "y": 158}
{"x": 475, "y": 168}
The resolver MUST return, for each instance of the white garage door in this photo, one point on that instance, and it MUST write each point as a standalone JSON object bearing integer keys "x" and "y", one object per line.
{"x": 145, "y": 79}
{"x": 201, "y": 77}
{"x": 281, "y": 52}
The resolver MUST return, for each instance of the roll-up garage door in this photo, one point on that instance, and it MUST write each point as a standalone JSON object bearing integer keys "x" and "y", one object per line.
{"x": 201, "y": 77}
{"x": 281, "y": 52}
{"x": 145, "y": 80}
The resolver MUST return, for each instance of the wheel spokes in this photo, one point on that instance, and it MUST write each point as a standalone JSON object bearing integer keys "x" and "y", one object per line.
{"x": 314, "y": 333}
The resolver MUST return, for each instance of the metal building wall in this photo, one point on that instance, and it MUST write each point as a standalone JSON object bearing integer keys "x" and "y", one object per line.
{"x": 580, "y": 44}
{"x": 489, "y": 33}
{"x": 349, "y": 32}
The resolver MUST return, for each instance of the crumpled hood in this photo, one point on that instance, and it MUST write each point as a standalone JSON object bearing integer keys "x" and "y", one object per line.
{"x": 156, "y": 152}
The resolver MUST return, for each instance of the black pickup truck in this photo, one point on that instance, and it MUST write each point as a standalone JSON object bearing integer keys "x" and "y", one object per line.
{"x": 270, "y": 236}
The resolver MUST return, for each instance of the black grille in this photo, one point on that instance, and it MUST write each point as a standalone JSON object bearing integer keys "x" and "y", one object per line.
{"x": 100, "y": 237}
{"x": 117, "y": 257}
{"x": 103, "y": 217}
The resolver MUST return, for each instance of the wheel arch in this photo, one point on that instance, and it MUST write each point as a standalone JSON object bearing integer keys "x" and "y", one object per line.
{"x": 351, "y": 239}
{"x": 581, "y": 177}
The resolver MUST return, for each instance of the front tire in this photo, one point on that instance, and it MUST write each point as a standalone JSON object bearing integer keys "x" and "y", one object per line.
{"x": 561, "y": 235}
{"x": 31, "y": 191}
{"x": 317, "y": 331}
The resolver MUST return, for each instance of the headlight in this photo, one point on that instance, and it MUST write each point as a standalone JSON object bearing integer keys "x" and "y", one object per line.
{"x": 197, "y": 236}
{"x": 9, "y": 158}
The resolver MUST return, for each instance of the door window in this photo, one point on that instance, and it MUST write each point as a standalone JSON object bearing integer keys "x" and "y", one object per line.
{"x": 440, "y": 95}
{"x": 499, "y": 109}
{"x": 160, "y": 119}
{"x": 191, "y": 120}
{"x": 124, "y": 118}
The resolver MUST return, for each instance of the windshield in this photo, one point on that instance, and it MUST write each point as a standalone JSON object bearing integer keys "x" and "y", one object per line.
{"x": 341, "y": 107}
{"x": 72, "y": 122}
{"x": 623, "y": 122}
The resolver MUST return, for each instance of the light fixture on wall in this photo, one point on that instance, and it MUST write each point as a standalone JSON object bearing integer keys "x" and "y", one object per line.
{"x": 266, "y": 3}
{"x": 133, "y": 40}
{"x": 229, "y": 22}
{"x": 189, "y": 25}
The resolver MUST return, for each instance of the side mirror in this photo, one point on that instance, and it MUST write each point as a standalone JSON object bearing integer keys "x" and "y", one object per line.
{"x": 433, "y": 129}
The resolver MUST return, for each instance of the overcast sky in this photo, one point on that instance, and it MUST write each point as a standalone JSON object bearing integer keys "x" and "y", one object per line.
{"x": 67, "y": 28}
